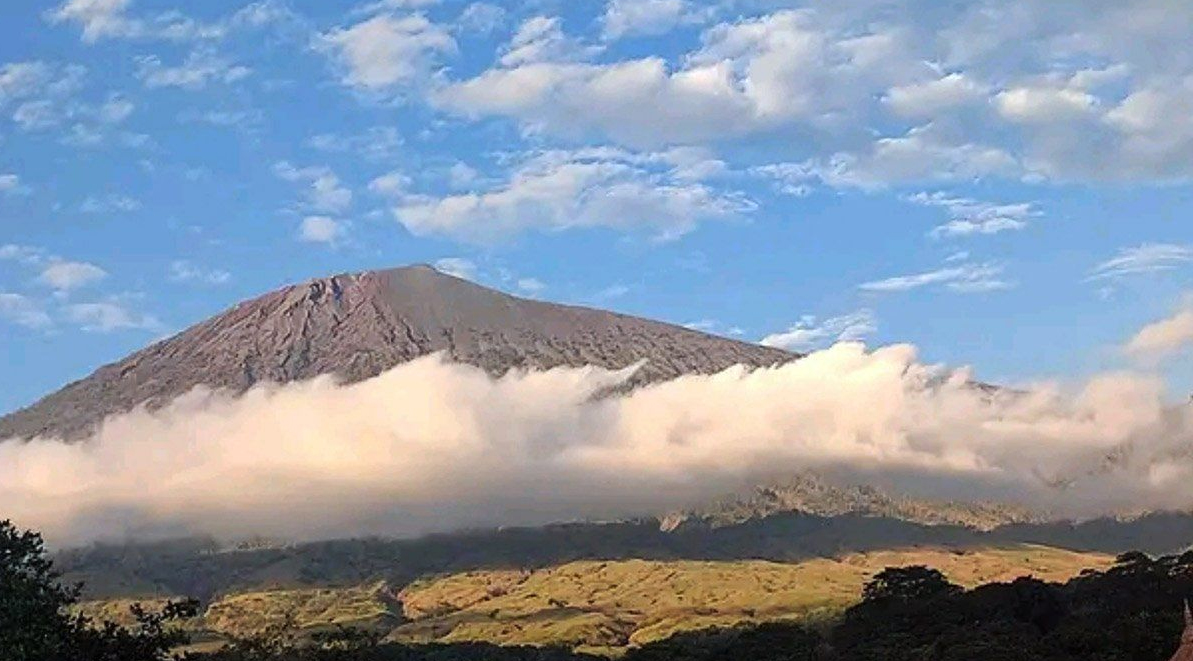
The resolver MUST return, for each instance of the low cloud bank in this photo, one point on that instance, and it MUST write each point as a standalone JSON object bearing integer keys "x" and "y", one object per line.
{"x": 432, "y": 445}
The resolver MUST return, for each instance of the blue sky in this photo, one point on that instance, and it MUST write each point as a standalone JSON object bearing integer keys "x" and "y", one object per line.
{"x": 1003, "y": 184}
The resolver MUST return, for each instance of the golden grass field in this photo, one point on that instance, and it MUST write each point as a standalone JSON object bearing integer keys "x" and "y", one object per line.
{"x": 366, "y": 606}
{"x": 608, "y": 606}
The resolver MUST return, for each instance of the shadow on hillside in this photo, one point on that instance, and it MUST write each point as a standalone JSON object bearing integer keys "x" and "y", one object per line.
{"x": 199, "y": 568}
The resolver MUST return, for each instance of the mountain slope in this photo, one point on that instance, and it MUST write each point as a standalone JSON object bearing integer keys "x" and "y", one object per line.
{"x": 808, "y": 493}
{"x": 601, "y": 606}
{"x": 359, "y": 325}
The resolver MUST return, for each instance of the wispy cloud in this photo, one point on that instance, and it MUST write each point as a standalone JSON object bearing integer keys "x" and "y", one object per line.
{"x": 530, "y": 286}
{"x": 561, "y": 189}
{"x": 113, "y": 203}
{"x": 46, "y": 97}
{"x": 482, "y": 17}
{"x": 610, "y": 293}
{"x": 969, "y": 217}
{"x": 326, "y": 193}
{"x": 379, "y": 6}
{"x": 23, "y": 311}
{"x": 541, "y": 39}
{"x": 111, "y": 19}
{"x": 36, "y": 115}
{"x": 377, "y": 143}
{"x": 98, "y": 18}
{"x": 27, "y": 255}
{"x": 714, "y": 326}
{"x": 703, "y": 325}
{"x": 70, "y": 281}
{"x": 394, "y": 184}
{"x": 243, "y": 119}
{"x": 200, "y": 68}
{"x": 108, "y": 316}
{"x": 1142, "y": 259}
{"x": 185, "y": 271}
{"x": 22, "y": 80}
{"x": 969, "y": 278}
{"x": 116, "y": 109}
{"x": 10, "y": 184}
{"x": 458, "y": 266}
{"x": 811, "y": 333}
{"x": 462, "y": 176}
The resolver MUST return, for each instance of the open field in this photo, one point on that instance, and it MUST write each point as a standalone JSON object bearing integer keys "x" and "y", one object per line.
{"x": 366, "y": 607}
{"x": 609, "y": 605}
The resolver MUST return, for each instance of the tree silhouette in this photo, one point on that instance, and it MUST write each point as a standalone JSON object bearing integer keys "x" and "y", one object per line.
{"x": 36, "y": 623}
{"x": 908, "y": 584}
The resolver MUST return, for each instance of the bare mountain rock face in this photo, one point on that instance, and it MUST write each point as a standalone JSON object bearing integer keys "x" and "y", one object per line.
{"x": 358, "y": 325}
{"x": 808, "y": 493}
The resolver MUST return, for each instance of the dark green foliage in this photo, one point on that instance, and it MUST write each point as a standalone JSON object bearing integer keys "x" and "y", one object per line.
{"x": 35, "y": 624}
{"x": 1131, "y": 612}
{"x": 766, "y": 642}
{"x": 902, "y": 585}
{"x": 31, "y": 601}
{"x": 351, "y": 645}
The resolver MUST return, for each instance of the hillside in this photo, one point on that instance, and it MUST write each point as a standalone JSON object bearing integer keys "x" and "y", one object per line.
{"x": 810, "y": 494}
{"x": 358, "y": 325}
{"x": 601, "y": 605}
{"x": 205, "y": 568}
{"x": 606, "y": 607}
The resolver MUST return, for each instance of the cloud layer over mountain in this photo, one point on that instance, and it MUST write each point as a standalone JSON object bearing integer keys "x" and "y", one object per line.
{"x": 431, "y": 445}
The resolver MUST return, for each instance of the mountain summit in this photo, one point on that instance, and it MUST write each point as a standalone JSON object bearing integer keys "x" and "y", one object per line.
{"x": 359, "y": 325}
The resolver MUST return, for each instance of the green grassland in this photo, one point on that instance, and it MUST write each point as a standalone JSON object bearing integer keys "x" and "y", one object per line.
{"x": 607, "y": 607}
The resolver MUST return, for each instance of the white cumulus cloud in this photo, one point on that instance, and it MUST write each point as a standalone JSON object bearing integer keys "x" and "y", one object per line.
{"x": 644, "y": 17}
{"x": 66, "y": 275}
{"x": 859, "y": 95}
{"x": 557, "y": 190}
{"x": 321, "y": 229}
{"x": 385, "y": 51}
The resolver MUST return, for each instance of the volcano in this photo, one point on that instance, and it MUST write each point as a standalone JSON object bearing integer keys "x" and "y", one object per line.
{"x": 359, "y": 325}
